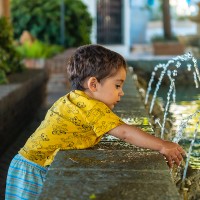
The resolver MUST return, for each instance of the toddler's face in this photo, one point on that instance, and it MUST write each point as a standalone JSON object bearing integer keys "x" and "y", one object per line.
{"x": 110, "y": 90}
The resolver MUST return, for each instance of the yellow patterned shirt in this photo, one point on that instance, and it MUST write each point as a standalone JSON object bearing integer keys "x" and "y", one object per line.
{"x": 75, "y": 121}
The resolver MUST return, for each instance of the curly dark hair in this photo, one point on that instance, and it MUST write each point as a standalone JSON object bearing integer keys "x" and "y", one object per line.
{"x": 93, "y": 60}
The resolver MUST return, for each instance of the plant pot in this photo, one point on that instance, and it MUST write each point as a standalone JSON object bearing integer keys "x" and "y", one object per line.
{"x": 34, "y": 63}
{"x": 168, "y": 48}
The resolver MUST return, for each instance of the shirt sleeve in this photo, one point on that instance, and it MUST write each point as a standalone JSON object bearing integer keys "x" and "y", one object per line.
{"x": 102, "y": 119}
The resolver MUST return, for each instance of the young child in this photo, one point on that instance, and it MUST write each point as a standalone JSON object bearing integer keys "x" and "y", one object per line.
{"x": 79, "y": 119}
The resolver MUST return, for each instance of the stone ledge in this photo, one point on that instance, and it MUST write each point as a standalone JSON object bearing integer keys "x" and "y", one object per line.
{"x": 109, "y": 174}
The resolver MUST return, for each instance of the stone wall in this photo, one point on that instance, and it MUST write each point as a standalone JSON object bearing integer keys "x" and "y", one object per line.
{"x": 19, "y": 101}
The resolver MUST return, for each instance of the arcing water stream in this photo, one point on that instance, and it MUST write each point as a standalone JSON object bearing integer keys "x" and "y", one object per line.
{"x": 185, "y": 125}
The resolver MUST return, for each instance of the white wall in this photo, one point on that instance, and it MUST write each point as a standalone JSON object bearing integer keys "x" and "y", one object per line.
{"x": 91, "y": 4}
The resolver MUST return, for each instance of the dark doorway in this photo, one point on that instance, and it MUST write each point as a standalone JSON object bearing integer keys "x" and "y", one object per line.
{"x": 109, "y": 21}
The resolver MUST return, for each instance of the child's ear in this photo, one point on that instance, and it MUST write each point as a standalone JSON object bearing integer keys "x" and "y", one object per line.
{"x": 92, "y": 84}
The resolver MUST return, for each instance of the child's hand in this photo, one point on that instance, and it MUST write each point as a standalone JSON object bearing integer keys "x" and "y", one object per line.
{"x": 173, "y": 153}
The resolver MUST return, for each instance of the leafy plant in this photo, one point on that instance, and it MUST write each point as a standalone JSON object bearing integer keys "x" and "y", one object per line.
{"x": 42, "y": 19}
{"x": 161, "y": 38}
{"x": 10, "y": 60}
{"x": 38, "y": 49}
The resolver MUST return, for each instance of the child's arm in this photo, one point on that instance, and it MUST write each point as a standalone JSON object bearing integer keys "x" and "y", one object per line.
{"x": 133, "y": 135}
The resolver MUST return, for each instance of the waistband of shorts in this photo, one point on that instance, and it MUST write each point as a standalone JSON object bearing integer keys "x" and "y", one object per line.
{"x": 19, "y": 157}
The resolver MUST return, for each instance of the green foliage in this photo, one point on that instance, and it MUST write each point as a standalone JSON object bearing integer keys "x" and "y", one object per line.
{"x": 38, "y": 49}
{"x": 92, "y": 196}
{"x": 3, "y": 78}
{"x": 161, "y": 38}
{"x": 42, "y": 19}
{"x": 9, "y": 58}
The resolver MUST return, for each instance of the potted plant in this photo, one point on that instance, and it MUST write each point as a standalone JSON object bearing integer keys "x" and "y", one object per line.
{"x": 35, "y": 53}
{"x": 163, "y": 46}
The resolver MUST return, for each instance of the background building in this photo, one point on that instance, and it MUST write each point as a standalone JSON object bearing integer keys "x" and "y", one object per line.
{"x": 111, "y": 26}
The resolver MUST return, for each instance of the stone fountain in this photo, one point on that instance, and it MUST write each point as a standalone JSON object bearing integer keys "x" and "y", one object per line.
{"x": 165, "y": 70}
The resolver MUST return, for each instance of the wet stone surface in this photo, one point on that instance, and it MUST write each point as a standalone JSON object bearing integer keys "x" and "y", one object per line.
{"x": 108, "y": 174}
{"x": 109, "y": 159}
{"x": 133, "y": 113}
{"x": 131, "y": 105}
{"x": 137, "y": 121}
{"x": 109, "y": 190}
{"x": 116, "y": 145}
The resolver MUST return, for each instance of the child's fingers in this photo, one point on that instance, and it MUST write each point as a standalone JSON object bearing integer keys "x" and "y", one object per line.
{"x": 177, "y": 160}
{"x": 179, "y": 157}
{"x": 181, "y": 150}
{"x": 170, "y": 162}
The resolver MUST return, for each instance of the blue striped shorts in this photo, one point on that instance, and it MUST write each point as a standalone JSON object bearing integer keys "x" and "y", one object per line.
{"x": 25, "y": 179}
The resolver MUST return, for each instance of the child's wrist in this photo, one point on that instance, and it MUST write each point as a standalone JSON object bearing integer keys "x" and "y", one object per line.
{"x": 161, "y": 144}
